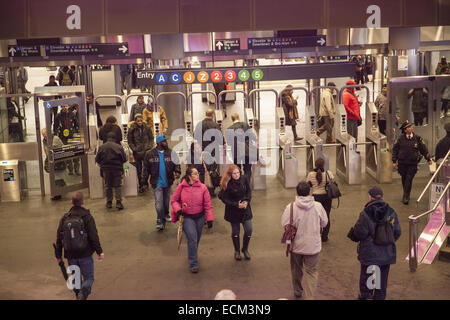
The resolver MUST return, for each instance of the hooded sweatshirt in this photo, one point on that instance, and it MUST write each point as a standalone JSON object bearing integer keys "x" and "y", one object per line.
{"x": 375, "y": 212}
{"x": 308, "y": 217}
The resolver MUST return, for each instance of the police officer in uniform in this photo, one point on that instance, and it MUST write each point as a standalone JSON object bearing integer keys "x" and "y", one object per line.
{"x": 408, "y": 151}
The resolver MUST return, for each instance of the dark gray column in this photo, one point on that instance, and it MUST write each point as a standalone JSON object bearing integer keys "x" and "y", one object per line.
{"x": 167, "y": 53}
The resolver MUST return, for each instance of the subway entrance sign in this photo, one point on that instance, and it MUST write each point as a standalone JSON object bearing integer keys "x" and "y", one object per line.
{"x": 244, "y": 74}
{"x": 286, "y": 42}
{"x": 227, "y": 44}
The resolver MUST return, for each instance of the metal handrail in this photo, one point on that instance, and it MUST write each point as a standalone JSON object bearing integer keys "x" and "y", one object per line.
{"x": 221, "y": 93}
{"x": 143, "y": 94}
{"x": 412, "y": 231}
{"x": 321, "y": 87}
{"x": 280, "y": 95}
{"x": 431, "y": 180}
{"x": 189, "y": 104}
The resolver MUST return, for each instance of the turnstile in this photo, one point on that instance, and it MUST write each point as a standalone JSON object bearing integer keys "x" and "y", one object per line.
{"x": 378, "y": 156}
{"x": 348, "y": 160}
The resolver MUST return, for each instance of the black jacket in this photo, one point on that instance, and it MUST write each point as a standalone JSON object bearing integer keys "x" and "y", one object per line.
{"x": 151, "y": 167}
{"x": 140, "y": 140}
{"x": 237, "y": 190}
{"x": 376, "y": 211}
{"x": 240, "y": 133}
{"x": 442, "y": 147}
{"x": 110, "y": 128}
{"x": 111, "y": 156}
{"x": 89, "y": 222}
{"x": 202, "y": 127}
{"x": 407, "y": 151}
{"x": 65, "y": 120}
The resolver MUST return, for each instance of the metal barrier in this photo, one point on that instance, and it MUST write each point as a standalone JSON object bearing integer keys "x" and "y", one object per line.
{"x": 189, "y": 116}
{"x": 156, "y": 119}
{"x": 413, "y": 239}
{"x": 125, "y": 114}
{"x": 280, "y": 112}
{"x": 250, "y": 112}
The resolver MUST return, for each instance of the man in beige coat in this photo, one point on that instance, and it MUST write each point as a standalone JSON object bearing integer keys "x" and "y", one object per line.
{"x": 327, "y": 111}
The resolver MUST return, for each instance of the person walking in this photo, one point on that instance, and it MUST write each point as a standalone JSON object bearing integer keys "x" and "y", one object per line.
{"x": 290, "y": 109}
{"x": 236, "y": 194}
{"x": 318, "y": 180}
{"x": 191, "y": 199}
{"x": 308, "y": 217}
{"x": 352, "y": 107}
{"x": 90, "y": 104}
{"x": 327, "y": 110}
{"x": 111, "y": 157}
{"x": 208, "y": 133}
{"x": 382, "y": 105}
{"x": 407, "y": 152}
{"x": 419, "y": 106}
{"x": 374, "y": 250}
{"x": 147, "y": 115}
{"x": 162, "y": 166}
{"x": 77, "y": 234}
{"x": 443, "y": 63}
{"x": 111, "y": 126}
{"x": 140, "y": 140}
{"x": 137, "y": 108}
{"x": 243, "y": 144}
{"x": 65, "y": 76}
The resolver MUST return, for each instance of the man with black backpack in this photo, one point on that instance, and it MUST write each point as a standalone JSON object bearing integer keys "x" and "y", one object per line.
{"x": 77, "y": 234}
{"x": 376, "y": 230}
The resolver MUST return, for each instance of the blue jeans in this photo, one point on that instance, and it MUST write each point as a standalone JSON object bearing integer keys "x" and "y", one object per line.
{"x": 86, "y": 266}
{"x": 162, "y": 197}
{"x": 193, "y": 230}
{"x": 236, "y": 228}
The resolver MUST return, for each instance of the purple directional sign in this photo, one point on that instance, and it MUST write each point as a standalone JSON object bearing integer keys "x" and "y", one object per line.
{"x": 286, "y": 42}
{"x": 24, "y": 51}
{"x": 78, "y": 49}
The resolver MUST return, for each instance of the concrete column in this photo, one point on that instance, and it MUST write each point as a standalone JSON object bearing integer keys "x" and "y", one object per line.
{"x": 167, "y": 53}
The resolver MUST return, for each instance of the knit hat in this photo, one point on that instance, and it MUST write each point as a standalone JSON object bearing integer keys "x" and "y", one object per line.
{"x": 160, "y": 138}
{"x": 376, "y": 192}
{"x": 350, "y": 83}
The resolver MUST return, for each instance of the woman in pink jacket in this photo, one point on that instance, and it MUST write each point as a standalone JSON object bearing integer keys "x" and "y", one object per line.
{"x": 192, "y": 200}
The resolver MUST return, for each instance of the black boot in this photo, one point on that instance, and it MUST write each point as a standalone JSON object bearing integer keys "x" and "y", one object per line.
{"x": 119, "y": 205}
{"x": 245, "y": 247}
{"x": 236, "y": 243}
{"x": 83, "y": 294}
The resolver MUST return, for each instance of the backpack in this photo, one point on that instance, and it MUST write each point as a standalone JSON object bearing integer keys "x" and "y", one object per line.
{"x": 66, "y": 81}
{"x": 384, "y": 232}
{"x": 75, "y": 237}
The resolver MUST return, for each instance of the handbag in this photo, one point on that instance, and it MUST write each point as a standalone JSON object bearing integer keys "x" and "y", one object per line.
{"x": 215, "y": 178}
{"x": 332, "y": 189}
{"x": 289, "y": 232}
{"x": 208, "y": 181}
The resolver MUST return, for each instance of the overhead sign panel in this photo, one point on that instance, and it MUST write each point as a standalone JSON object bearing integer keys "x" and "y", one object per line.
{"x": 227, "y": 44}
{"x": 287, "y": 42}
{"x": 87, "y": 49}
{"x": 24, "y": 51}
{"x": 242, "y": 74}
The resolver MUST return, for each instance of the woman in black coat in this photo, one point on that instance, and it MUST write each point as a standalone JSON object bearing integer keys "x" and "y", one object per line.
{"x": 111, "y": 126}
{"x": 236, "y": 194}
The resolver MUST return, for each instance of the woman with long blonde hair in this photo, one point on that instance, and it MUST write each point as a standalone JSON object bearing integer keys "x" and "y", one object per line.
{"x": 236, "y": 194}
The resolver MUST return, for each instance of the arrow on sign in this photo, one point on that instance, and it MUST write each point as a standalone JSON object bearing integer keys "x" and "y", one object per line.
{"x": 219, "y": 45}
{"x": 321, "y": 41}
{"x": 12, "y": 51}
{"x": 123, "y": 49}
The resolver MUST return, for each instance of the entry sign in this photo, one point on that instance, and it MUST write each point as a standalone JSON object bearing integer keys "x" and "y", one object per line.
{"x": 227, "y": 44}
{"x": 78, "y": 49}
{"x": 24, "y": 51}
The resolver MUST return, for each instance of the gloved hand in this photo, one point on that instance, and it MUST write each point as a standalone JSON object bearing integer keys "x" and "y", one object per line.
{"x": 210, "y": 224}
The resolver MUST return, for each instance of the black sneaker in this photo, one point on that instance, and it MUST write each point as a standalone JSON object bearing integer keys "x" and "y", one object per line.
{"x": 82, "y": 295}
{"x": 119, "y": 205}
{"x": 109, "y": 204}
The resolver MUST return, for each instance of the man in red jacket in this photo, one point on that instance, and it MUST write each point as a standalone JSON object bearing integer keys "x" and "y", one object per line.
{"x": 351, "y": 104}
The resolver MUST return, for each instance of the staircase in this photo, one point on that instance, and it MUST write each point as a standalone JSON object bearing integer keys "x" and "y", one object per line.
{"x": 444, "y": 253}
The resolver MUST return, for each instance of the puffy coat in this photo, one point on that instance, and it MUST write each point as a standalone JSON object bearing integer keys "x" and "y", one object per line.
{"x": 110, "y": 128}
{"x": 351, "y": 105}
{"x": 147, "y": 116}
{"x": 151, "y": 167}
{"x": 89, "y": 223}
{"x": 192, "y": 199}
{"x": 237, "y": 190}
{"x": 111, "y": 156}
{"x": 308, "y": 217}
{"x": 290, "y": 108}
{"x": 140, "y": 140}
{"x": 204, "y": 126}
{"x": 364, "y": 231}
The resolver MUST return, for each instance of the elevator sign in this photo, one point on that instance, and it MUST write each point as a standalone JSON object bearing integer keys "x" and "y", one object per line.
{"x": 287, "y": 42}
{"x": 79, "y": 49}
{"x": 227, "y": 44}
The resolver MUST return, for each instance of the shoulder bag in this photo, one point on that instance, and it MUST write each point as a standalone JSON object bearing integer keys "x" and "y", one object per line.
{"x": 289, "y": 232}
{"x": 208, "y": 182}
{"x": 332, "y": 189}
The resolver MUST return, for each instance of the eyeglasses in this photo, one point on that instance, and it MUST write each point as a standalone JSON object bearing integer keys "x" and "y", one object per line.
{"x": 194, "y": 174}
